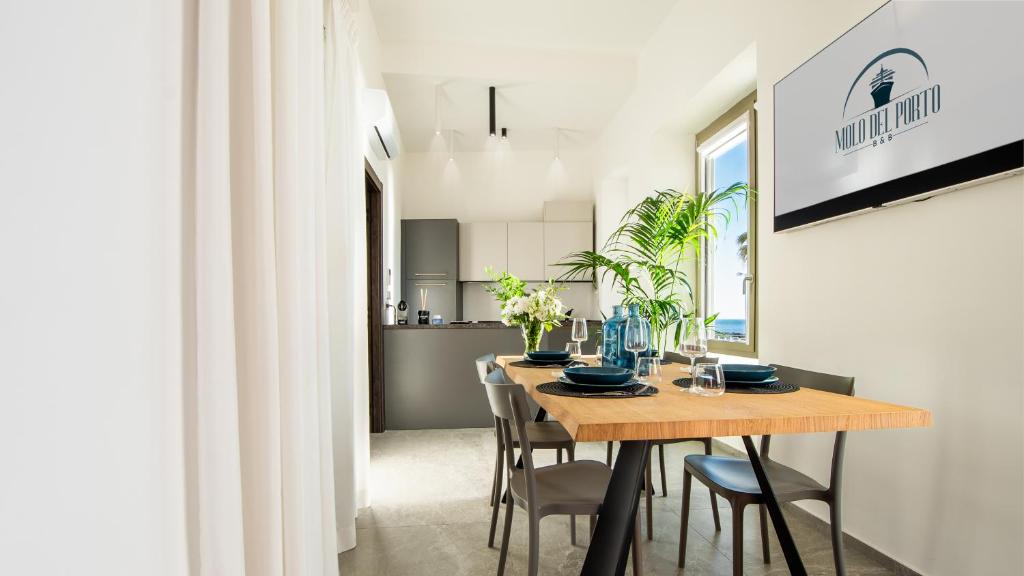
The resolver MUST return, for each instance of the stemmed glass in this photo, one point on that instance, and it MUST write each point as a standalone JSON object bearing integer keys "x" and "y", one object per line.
{"x": 635, "y": 337}
{"x": 579, "y": 334}
{"x": 693, "y": 346}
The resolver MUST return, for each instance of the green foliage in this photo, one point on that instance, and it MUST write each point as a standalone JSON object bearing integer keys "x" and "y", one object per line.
{"x": 505, "y": 287}
{"x": 644, "y": 256}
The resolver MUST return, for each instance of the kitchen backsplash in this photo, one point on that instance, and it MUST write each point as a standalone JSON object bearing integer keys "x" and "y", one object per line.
{"x": 477, "y": 304}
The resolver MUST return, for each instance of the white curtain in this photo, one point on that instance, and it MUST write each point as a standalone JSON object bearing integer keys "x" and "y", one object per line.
{"x": 274, "y": 283}
{"x": 346, "y": 256}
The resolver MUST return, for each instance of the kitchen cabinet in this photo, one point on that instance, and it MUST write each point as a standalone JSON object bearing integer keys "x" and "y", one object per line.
{"x": 430, "y": 250}
{"x": 482, "y": 244}
{"x": 526, "y": 250}
{"x": 563, "y": 238}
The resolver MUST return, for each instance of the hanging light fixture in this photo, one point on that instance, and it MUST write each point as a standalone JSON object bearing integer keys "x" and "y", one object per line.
{"x": 504, "y": 134}
{"x": 493, "y": 120}
{"x": 437, "y": 109}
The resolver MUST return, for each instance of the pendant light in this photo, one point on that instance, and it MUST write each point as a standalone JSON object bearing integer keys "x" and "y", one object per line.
{"x": 493, "y": 119}
{"x": 504, "y": 134}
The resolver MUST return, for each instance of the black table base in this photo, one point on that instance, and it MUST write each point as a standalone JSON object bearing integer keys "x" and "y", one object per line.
{"x": 796, "y": 565}
{"x": 613, "y": 534}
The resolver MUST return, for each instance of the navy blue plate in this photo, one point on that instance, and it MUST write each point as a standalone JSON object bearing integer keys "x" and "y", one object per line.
{"x": 548, "y": 355}
{"x": 597, "y": 387}
{"x": 749, "y": 383}
{"x": 747, "y": 372}
{"x": 598, "y": 374}
{"x": 566, "y": 362}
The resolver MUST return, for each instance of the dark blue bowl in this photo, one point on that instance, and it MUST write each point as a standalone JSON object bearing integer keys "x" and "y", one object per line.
{"x": 548, "y": 355}
{"x": 747, "y": 372}
{"x": 598, "y": 374}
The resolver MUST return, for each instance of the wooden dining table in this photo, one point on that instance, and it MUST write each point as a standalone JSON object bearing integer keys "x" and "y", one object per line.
{"x": 674, "y": 413}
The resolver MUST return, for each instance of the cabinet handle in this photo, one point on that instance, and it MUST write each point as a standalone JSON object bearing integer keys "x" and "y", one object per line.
{"x": 430, "y": 274}
{"x": 431, "y": 283}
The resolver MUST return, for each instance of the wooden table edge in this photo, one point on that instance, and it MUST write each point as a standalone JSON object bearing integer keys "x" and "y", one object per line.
{"x": 901, "y": 417}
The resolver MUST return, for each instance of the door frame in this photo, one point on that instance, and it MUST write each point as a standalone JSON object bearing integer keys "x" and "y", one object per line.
{"x": 375, "y": 295}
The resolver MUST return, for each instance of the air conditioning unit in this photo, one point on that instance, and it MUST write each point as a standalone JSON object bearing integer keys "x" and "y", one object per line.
{"x": 381, "y": 129}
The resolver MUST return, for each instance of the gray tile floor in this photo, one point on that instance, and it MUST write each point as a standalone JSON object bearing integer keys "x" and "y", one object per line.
{"x": 430, "y": 516}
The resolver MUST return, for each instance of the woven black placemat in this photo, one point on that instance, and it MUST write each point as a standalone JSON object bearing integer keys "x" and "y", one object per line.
{"x": 525, "y": 364}
{"x": 779, "y": 387}
{"x": 559, "y": 389}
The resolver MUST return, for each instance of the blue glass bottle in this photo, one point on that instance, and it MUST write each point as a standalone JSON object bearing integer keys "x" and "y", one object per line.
{"x": 610, "y": 337}
{"x": 626, "y": 358}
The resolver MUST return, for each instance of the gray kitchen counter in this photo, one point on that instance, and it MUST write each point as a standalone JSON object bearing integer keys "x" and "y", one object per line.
{"x": 430, "y": 378}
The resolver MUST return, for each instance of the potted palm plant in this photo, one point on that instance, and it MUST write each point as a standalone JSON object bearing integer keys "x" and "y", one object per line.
{"x": 645, "y": 257}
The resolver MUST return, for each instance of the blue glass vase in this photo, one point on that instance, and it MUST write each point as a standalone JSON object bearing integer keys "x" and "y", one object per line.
{"x": 626, "y": 358}
{"x": 610, "y": 337}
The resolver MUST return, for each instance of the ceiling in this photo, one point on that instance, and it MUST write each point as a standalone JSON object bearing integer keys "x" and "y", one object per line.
{"x": 565, "y": 64}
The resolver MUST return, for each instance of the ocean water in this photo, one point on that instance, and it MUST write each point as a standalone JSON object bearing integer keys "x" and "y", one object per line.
{"x": 731, "y": 326}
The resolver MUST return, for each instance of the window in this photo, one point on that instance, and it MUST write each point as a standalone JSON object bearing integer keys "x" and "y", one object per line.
{"x": 726, "y": 154}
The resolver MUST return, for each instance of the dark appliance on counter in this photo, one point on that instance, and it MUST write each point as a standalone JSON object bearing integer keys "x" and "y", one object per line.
{"x": 403, "y": 313}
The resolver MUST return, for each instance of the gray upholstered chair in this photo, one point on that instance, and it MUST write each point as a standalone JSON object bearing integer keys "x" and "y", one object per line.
{"x": 734, "y": 480}
{"x": 543, "y": 435}
{"x": 660, "y": 444}
{"x": 571, "y": 488}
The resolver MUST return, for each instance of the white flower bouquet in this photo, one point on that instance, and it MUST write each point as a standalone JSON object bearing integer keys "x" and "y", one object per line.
{"x": 534, "y": 312}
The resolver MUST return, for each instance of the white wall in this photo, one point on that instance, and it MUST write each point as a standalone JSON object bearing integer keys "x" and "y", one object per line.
{"x": 922, "y": 303}
{"x": 90, "y": 342}
{"x": 496, "y": 184}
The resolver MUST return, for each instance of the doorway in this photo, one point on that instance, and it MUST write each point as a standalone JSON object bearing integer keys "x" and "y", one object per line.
{"x": 375, "y": 295}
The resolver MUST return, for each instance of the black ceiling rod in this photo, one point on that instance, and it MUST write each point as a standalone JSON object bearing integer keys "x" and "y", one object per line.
{"x": 493, "y": 123}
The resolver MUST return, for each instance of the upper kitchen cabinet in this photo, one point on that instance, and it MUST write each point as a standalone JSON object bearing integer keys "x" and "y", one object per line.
{"x": 430, "y": 249}
{"x": 562, "y": 239}
{"x": 482, "y": 244}
{"x": 526, "y": 250}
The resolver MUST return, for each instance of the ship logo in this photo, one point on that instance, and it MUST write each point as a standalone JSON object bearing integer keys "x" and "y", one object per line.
{"x": 876, "y": 123}
{"x": 881, "y": 86}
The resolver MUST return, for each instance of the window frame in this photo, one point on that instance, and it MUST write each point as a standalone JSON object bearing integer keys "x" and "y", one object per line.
{"x": 744, "y": 110}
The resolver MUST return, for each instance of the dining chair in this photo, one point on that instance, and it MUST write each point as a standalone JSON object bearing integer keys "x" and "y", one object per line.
{"x": 573, "y": 488}
{"x": 660, "y": 444}
{"x": 734, "y": 480}
{"x": 543, "y": 435}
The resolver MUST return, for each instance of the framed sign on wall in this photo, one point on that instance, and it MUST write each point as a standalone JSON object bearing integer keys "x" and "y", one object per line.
{"x": 919, "y": 97}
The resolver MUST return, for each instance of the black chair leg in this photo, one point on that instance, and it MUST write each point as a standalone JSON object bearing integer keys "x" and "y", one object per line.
{"x": 763, "y": 512}
{"x": 737, "y": 540}
{"x": 714, "y": 499}
{"x": 648, "y": 489}
{"x": 571, "y": 452}
{"x": 558, "y": 458}
{"x": 836, "y": 513}
{"x": 684, "y": 518}
{"x": 609, "y": 460}
{"x": 661, "y": 463}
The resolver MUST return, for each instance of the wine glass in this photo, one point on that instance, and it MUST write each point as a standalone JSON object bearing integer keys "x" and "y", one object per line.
{"x": 711, "y": 378}
{"x": 648, "y": 369}
{"x": 579, "y": 334}
{"x": 693, "y": 346}
{"x": 635, "y": 337}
